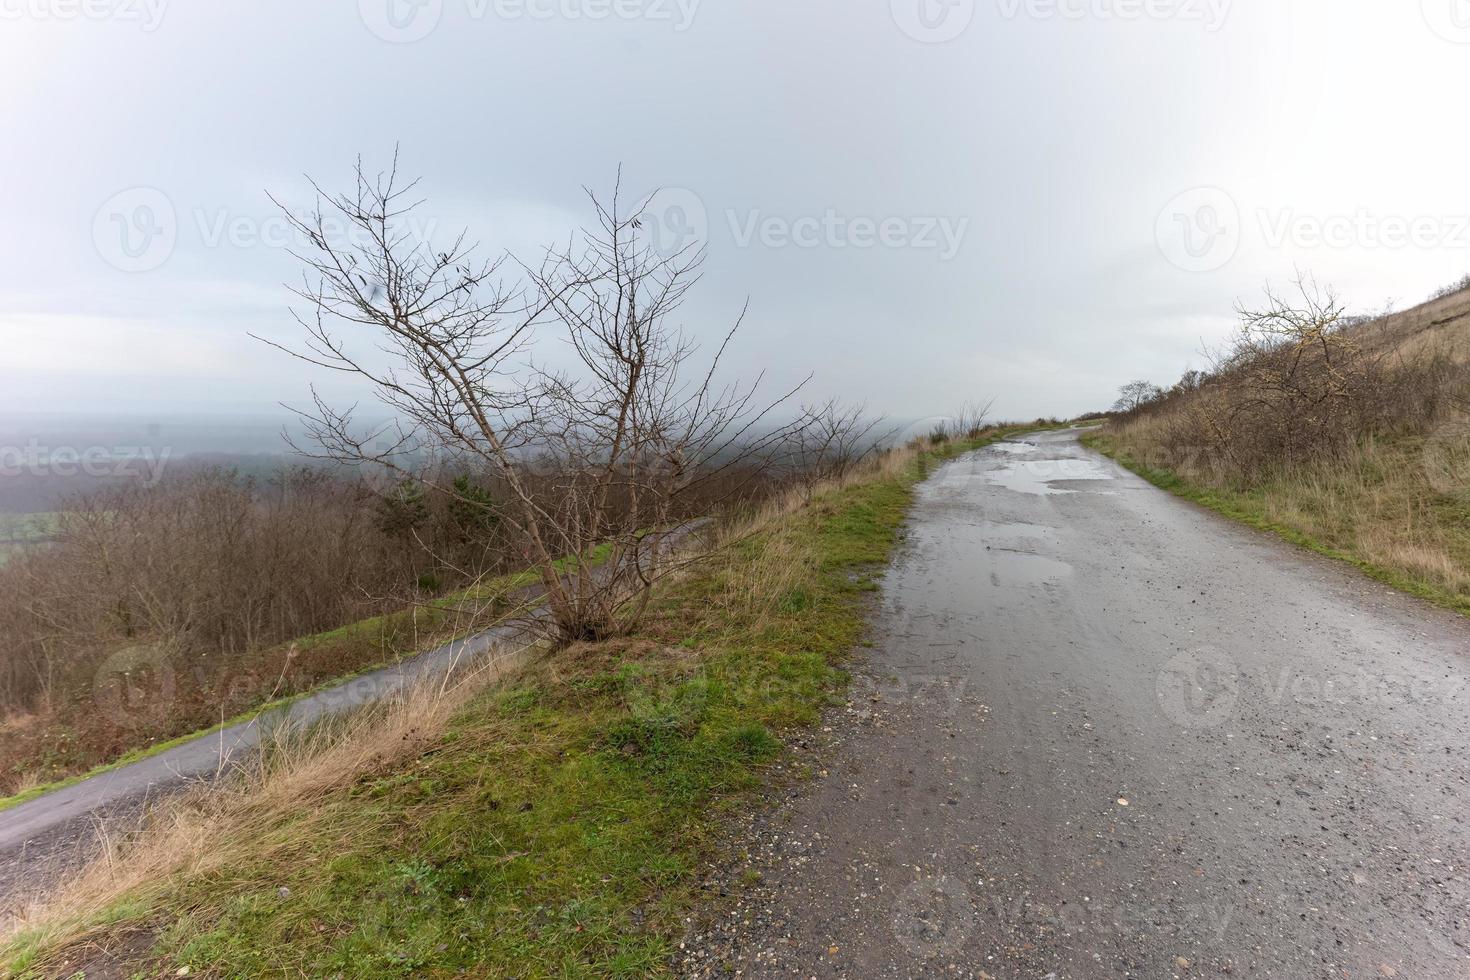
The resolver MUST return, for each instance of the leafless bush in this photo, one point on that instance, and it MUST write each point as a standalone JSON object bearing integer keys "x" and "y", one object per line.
{"x": 1300, "y": 382}
{"x": 828, "y": 442}
{"x": 1137, "y": 395}
{"x": 1455, "y": 287}
{"x": 971, "y": 420}
{"x": 967, "y": 423}
{"x": 596, "y": 457}
{"x": 211, "y": 565}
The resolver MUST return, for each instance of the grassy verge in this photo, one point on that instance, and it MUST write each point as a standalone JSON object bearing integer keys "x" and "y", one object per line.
{"x": 1377, "y": 512}
{"x": 331, "y": 658}
{"x": 550, "y": 826}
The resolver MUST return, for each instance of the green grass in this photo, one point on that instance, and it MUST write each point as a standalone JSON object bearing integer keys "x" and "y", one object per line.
{"x": 555, "y": 829}
{"x": 1250, "y": 507}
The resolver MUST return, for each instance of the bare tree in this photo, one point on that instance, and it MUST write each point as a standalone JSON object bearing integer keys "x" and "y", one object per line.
{"x": 1458, "y": 286}
{"x": 1135, "y": 395}
{"x": 1300, "y": 380}
{"x": 829, "y": 442}
{"x": 970, "y": 421}
{"x": 598, "y": 459}
{"x": 1295, "y": 343}
{"x": 1191, "y": 380}
{"x": 1303, "y": 381}
{"x": 967, "y": 423}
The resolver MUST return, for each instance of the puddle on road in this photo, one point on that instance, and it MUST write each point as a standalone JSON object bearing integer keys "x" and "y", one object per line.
{"x": 1015, "y": 535}
{"x": 1014, "y": 448}
{"x": 1040, "y": 476}
{"x": 993, "y": 554}
{"x": 1011, "y": 569}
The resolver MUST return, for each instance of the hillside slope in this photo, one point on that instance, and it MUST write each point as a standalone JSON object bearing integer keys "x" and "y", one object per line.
{"x": 1349, "y": 437}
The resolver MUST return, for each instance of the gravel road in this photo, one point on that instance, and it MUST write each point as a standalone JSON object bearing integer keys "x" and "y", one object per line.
{"x": 1105, "y": 733}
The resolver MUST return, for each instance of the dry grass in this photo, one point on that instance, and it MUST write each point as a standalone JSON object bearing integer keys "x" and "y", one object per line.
{"x": 1397, "y": 505}
{"x": 204, "y": 831}
{"x": 26, "y": 782}
{"x": 752, "y": 589}
{"x": 756, "y": 589}
{"x": 780, "y": 563}
{"x": 1380, "y": 505}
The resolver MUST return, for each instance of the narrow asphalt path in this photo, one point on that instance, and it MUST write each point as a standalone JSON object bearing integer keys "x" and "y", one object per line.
{"x": 1106, "y": 733}
{"x": 45, "y": 837}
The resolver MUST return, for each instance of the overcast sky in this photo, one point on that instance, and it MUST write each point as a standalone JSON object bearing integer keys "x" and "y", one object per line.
{"x": 926, "y": 201}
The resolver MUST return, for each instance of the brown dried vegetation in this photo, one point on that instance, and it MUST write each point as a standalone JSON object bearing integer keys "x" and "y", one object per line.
{"x": 1348, "y": 433}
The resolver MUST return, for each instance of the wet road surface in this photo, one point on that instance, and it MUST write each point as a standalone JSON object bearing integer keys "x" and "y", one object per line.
{"x": 1105, "y": 733}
